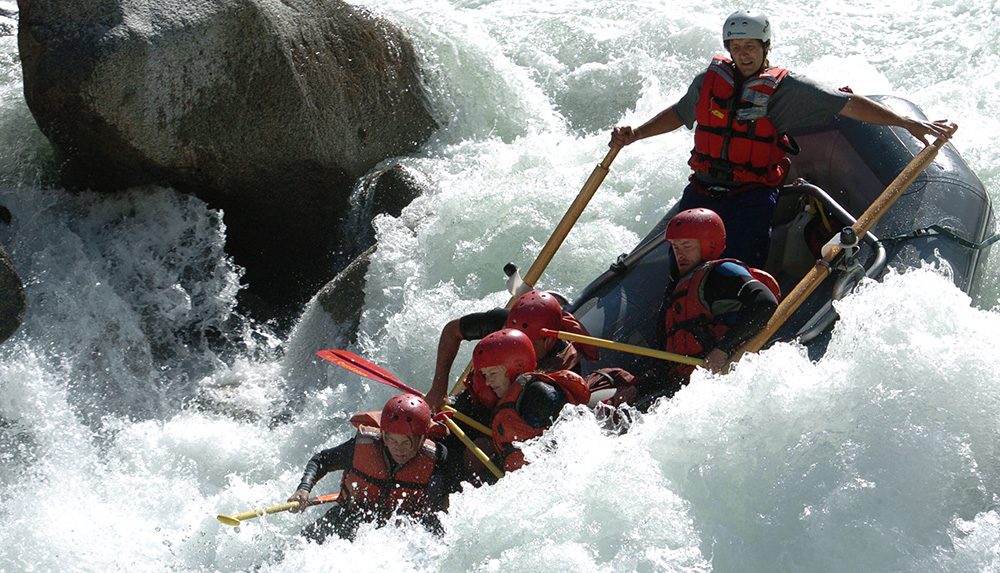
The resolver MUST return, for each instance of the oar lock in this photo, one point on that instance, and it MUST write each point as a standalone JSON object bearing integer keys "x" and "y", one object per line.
{"x": 847, "y": 243}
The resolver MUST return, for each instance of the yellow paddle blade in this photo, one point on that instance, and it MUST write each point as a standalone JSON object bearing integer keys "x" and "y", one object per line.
{"x": 235, "y": 520}
{"x": 228, "y": 520}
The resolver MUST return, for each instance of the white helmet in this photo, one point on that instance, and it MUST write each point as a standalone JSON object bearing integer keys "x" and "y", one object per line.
{"x": 747, "y": 24}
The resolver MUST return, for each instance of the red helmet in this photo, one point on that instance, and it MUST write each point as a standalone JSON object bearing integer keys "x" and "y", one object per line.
{"x": 406, "y": 414}
{"x": 701, "y": 224}
{"x": 509, "y": 348}
{"x": 533, "y": 311}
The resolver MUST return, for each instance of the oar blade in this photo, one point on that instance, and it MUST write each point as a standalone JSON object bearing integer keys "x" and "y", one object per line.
{"x": 361, "y": 367}
{"x": 358, "y": 365}
{"x": 228, "y": 520}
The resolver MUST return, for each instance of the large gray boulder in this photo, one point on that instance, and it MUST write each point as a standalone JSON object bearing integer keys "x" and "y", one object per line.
{"x": 270, "y": 109}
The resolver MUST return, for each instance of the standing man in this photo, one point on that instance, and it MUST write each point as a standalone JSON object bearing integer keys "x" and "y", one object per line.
{"x": 741, "y": 109}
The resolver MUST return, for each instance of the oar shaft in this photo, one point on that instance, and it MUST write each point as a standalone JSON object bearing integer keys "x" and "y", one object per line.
{"x": 788, "y": 306}
{"x": 630, "y": 348}
{"x": 895, "y": 189}
{"x": 266, "y": 511}
{"x": 556, "y": 239}
{"x": 480, "y": 454}
{"x": 569, "y": 219}
{"x": 865, "y": 222}
{"x": 468, "y": 421}
{"x": 235, "y": 520}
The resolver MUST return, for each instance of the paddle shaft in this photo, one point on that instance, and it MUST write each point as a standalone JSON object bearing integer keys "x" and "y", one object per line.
{"x": 569, "y": 219}
{"x": 558, "y": 236}
{"x": 630, "y": 348}
{"x": 865, "y": 222}
{"x": 235, "y": 520}
{"x": 476, "y": 450}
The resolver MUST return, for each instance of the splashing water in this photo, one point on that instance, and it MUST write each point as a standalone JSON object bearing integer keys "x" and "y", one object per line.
{"x": 135, "y": 405}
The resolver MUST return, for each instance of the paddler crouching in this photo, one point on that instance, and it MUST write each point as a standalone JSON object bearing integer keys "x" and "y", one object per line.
{"x": 391, "y": 467}
{"x": 528, "y": 402}
{"x": 531, "y": 313}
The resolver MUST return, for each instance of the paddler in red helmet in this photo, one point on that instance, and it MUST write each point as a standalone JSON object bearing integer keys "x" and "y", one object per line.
{"x": 392, "y": 469}
{"x": 528, "y": 401}
{"x": 711, "y": 307}
{"x": 531, "y": 312}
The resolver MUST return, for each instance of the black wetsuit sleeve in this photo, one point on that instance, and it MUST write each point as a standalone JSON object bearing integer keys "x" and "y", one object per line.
{"x": 757, "y": 304}
{"x": 327, "y": 461}
{"x": 479, "y": 324}
{"x": 437, "y": 488}
{"x": 540, "y": 403}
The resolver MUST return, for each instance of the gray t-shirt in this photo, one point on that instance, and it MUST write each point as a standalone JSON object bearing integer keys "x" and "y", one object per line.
{"x": 798, "y": 102}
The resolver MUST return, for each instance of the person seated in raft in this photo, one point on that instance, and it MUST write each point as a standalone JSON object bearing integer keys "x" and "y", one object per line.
{"x": 710, "y": 308}
{"x": 391, "y": 467}
{"x": 531, "y": 312}
{"x": 528, "y": 401}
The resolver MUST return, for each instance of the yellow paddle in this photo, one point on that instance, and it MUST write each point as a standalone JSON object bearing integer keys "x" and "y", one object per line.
{"x": 235, "y": 520}
{"x": 631, "y": 348}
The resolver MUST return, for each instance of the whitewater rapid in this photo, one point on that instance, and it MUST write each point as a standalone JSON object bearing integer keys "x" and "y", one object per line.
{"x": 135, "y": 405}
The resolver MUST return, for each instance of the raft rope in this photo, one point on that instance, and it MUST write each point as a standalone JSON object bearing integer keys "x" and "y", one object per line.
{"x": 938, "y": 230}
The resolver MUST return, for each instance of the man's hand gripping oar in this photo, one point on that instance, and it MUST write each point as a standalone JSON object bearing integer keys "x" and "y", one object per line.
{"x": 362, "y": 367}
{"x": 851, "y": 234}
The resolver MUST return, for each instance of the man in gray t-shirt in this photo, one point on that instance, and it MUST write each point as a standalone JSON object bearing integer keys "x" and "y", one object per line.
{"x": 743, "y": 191}
{"x": 800, "y": 102}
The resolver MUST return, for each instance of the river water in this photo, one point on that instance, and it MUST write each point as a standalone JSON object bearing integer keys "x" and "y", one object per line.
{"x": 135, "y": 405}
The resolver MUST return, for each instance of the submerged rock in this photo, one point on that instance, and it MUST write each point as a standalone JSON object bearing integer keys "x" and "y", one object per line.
{"x": 268, "y": 109}
{"x": 13, "y": 301}
{"x": 343, "y": 298}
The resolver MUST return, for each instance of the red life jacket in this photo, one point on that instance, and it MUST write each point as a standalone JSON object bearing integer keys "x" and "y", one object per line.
{"x": 509, "y": 427}
{"x": 691, "y": 327}
{"x": 367, "y": 485}
{"x": 734, "y": 140}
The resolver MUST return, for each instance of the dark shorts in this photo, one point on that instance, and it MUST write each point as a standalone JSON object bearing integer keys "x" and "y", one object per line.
{"x": 747, "y": 217}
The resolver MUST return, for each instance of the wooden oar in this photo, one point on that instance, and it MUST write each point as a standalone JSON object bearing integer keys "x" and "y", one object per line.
{"x": 558, "y": 236}
{"x": 865, "y": 222}
{"x": 569, "y": 219}
{"x": 630, "y": 348}
{"x": 235, "y": 520}
{"x": 362, "y": 367}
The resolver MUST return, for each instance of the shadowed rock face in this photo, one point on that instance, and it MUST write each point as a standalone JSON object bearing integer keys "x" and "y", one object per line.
{"x": 12, "y": 298}
{"x": 268, "y": 109}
